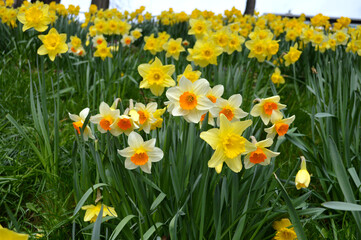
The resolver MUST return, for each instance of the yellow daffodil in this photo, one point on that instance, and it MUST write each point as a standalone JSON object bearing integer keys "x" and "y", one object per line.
{"x": 159, "y": 121}
{"x": 156, "y": 76}
{"x": 7, "y": 234}
{"x": 279, "y": 127}
{"x": 199, "y": 27}
{"x": 140, "y": 154}
{"x": 228, "y": 143}
{"x": 146, "y": 118}
{"x": 341, "y": 37}
{"x": 105, "y": 118}
{"x": 204, "y": 53}
{"x": 136, "y": 33}
{"x": 258, "y": 49}
{"x": 261, "y": 156}
{"x": 103, "y": 51}
{"x": 284, "y": 230}
{"x": 292, "y": 56}
{"x": 53, "y": 44}
{"x": 92, "y": 212}
{"x": 268, "y": 109}
{"x": 36, "y": 16}
{"x": 234, "y": 44}
{"x": 303, "y": 178}
{"x": 229, "y": 108}
{"x": 151, "y": 44}
{"x": 75, "y": 41}
{"x": 79, "y": 121}
{"x": 174, "y": 48}
{"x": 190, "y": 74}
{"x": 189, "y": 99}
{"x": 277, "y": 78}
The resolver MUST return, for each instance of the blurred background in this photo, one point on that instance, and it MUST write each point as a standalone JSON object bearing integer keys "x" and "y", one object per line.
{"x": 332, "y": 8}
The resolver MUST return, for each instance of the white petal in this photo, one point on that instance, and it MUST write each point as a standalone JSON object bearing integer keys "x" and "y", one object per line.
{"x": 203, "y": 103}
{"x": 84, "y": 113}
{"x": 126, "y": 152}
{"x": 135, "y": 140}
{"x": 74, "y": 117}
{"x": 235, "y": 100}
{"x": 185, "y": 85}
{"x": 173, "y": 94}
{"x": 155, "y": 155}
{"x": 201, "y": 86}
{"x": 128, "y": 164}
{"x": 146, "y": 167}
{"x": 104, "y": 108}
{"x": 218, "y": 91}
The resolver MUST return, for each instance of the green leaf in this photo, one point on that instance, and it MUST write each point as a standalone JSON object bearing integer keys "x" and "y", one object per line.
{"x": 151, "y": 230}
{"x": 97, "y": 225}
{"x": 292, "y": 212}
{"x": 120, "y": 226}
{"x": 323, "y": 115}
{"x": 344, "y": 206}
{"x": 157, "y": 201}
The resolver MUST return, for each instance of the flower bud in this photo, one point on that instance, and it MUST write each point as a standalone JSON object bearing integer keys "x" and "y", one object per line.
{"x": 303, "y": 178}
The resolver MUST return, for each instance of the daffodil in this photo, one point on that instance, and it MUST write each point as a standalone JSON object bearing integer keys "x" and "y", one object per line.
{"x": 98, "y": 39}
{"x": 228, "y": 143}
{"x": 292, "y": 56}
{"x": 53, "y": 44}
{"x": 229, "y": 108}
{"x": 157, "y": 115}
{"x": 174, "y": 48}
{"x": 103, "y": 51}
{"x": 105, "y": 118}
{"x": 127, "y": 40}
{"x": 303, "y": 178}
{"x": 277, "y": 78}
{"x": 146, "y": 118}
{"x": 262, "y": 155}
{"x": 156, "y": 76}
{"x": 190, "y": 74}
{"x": 189, "y": 99}
{"x": 36, "y": 16}
{"x": 284, "y": 230}
{"x": 79, "y": 121}
{"x": 213, "y": 94}
{"x": 92, "y": 212}
{"x": 140, "y": 154}
{"x": 7, "y": 234}
{"x": 268, "y": 109}
{"x": 199, "y": 27}
{"x": 136, "y": 33}
{"x": 204, "y": 52}
{"x": 279, "y": 127}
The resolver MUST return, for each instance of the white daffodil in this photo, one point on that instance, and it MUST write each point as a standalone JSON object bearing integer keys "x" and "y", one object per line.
{"x": 213, "y": 94}
{"x": 189, "y": 99}
{"x": 279, "y": 127}
{"x": 145, "y": 113}
{"x": 229, "y": 108}
{"x": 79, "y": 121}
{"x": 140, "y": 154}
{"x": 261, "y": 156}
{"x": 107, "y": 115}
{"x": 268, "y": 109}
